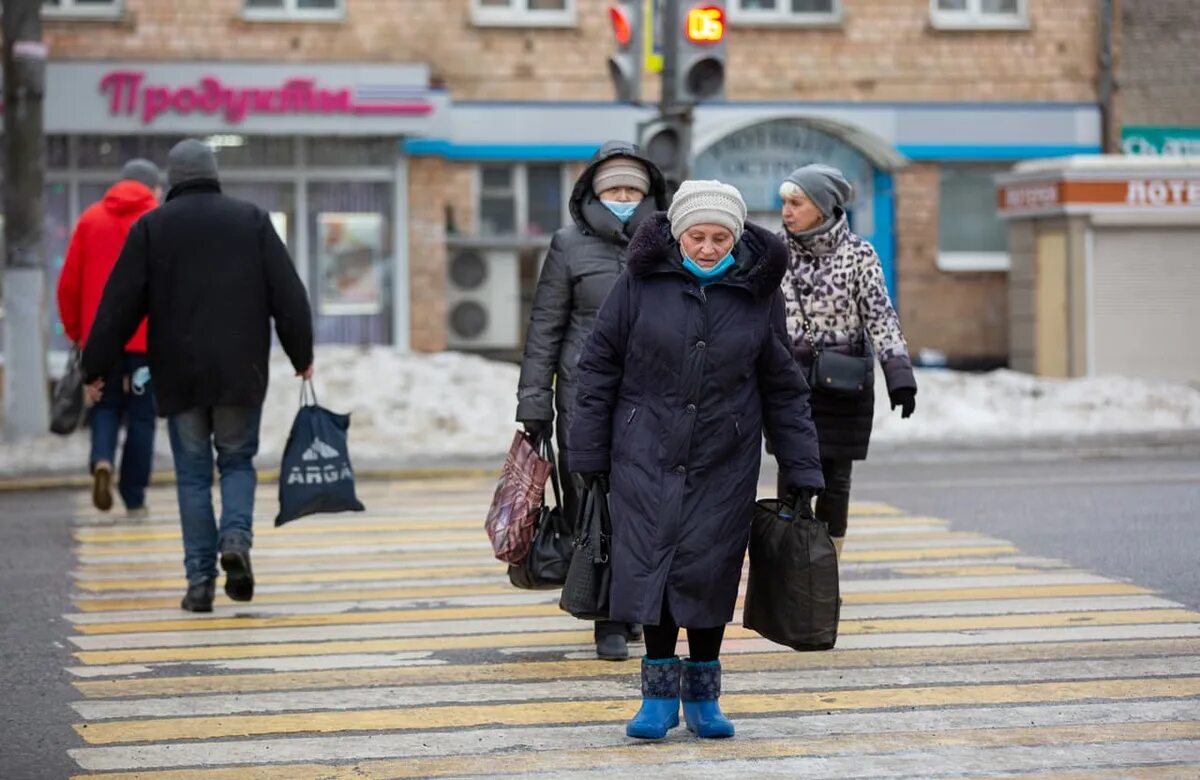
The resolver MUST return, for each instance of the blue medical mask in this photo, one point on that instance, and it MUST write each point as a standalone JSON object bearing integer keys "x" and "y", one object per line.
{"x": 712, "y": 274}
{"x": 622, "y": 211}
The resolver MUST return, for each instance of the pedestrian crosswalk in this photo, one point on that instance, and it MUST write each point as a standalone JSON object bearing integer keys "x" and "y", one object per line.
{"x": 388, "y": 644}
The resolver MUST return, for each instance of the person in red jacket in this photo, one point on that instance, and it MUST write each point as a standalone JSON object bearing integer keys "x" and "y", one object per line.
{"x": 97, "y": 241}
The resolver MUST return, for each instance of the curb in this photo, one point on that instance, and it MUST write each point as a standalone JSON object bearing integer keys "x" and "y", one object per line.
{"x": 265, "y": 476}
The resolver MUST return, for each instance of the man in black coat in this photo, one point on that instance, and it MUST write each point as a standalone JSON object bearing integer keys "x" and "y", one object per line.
{"x": 210, "y": 273}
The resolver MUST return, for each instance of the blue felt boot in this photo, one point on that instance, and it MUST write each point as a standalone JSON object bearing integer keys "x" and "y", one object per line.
{"x": 660, "y": 699}
{"x": 700, "y": 688}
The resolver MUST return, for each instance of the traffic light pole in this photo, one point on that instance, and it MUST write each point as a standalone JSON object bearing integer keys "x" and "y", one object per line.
{"x": 26, "y": 390}
{"x": 670, "y": 111}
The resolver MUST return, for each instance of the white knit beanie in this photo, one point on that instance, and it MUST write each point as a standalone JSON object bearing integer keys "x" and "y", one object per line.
{"x": 707, "y": 202}
{"x": 621, "y": 172}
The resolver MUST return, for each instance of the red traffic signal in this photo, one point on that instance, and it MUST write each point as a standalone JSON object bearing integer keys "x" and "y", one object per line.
{"x": 705, "y": 24}
{"x": 621, "y": 25}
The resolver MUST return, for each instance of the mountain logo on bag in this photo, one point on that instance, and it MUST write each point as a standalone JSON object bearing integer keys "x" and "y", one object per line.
{"x": 319, "y": 450}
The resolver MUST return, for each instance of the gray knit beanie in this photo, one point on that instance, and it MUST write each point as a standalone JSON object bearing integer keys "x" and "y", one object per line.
{"x": 824, "y": 185}
{"x": 621, "y": 172}
{"x": 707, "y": 202}
{"x": 190, "y": 159}
{"x": 143, "y": 172}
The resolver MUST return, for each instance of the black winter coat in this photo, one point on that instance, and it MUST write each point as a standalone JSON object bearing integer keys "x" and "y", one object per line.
{"x": 210, "y": 273}
{"x": 583, "y": 263}
{"x": 676, "y": 385}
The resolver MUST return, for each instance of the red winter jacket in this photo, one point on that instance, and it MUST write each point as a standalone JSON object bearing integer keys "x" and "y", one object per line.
{"x": 91, "y": 255}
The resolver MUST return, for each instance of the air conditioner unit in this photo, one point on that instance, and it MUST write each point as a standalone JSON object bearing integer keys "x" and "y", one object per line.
{"x": 483, "y": 299}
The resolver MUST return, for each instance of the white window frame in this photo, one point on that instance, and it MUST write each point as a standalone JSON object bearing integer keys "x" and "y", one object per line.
{"x": 520, "y": 188}
{"x": 783, "y": 15}
{"x": 67, "y": 9}
{"x": 291, "y": 12}
{"x": 968, "y": 261}
{"x": 518, "y": 15}
{"x": 973, "y": 18}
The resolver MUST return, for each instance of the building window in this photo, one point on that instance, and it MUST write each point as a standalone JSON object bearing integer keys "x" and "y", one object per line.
{"x": 975, "y": 14}
{"x": 303, "y": 10}
{"x": 522, "y": 200}
{"x": 970, "y": 235}
{"x": 523, "y": 13}
{"x": 93, "y": 8}
{"x": 786, "y": 11}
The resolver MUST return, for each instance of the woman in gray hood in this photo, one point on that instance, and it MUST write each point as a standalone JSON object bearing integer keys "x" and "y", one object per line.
{"x": 837, "y": 301}
{"x": 612, "y": 197}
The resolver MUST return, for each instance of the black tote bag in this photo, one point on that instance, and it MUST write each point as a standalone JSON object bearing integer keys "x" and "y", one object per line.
{"x": 585, "y": 593}
{"x": 792, "y": 596}
{"x": 545, "y": 568}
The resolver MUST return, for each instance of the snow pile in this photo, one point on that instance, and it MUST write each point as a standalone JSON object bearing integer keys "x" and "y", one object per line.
{"x": 417, "y": 408}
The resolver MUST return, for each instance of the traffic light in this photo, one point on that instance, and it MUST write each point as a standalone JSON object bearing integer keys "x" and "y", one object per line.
{"x": 700, "y": 69}
{"x": 625, "y": 65}
{"x": 665, "y": 142}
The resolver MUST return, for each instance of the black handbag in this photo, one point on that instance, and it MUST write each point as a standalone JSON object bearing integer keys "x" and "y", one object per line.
{"x": 67, "y": 406}
{"x": 585, "y": 593}
{"x": 792, "y": 591}
{"x": 545, "y": 568}
{"x": 836, "y": 372}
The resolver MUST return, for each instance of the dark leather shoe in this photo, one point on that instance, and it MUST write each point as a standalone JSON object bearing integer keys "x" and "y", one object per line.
{"x": 239, "y": 579}
{"x": 612, "y": 647}
{"x": 633, "y": 632}
{"x": 199, "y": 597}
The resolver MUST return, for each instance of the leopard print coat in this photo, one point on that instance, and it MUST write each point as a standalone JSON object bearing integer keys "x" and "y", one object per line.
{"x": 837, "y": 276}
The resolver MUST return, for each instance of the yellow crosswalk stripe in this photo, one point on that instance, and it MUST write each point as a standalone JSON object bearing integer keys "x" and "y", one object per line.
{"x": 579, "y": 712}
{"x": 552, "y": 638}
{"x": 672, "y": 753}
{"x": 527, "y": 610}
{"x": 554, "y": 670}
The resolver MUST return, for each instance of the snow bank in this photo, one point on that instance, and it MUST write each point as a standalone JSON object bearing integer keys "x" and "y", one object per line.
{"x": 413, "y": 409}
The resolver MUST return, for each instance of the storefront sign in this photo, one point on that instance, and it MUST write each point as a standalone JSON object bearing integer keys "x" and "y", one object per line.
{"x": 131, "y": 93}
{"x": 199, "y": 98}
{"x": 1166, "y": 141}
{"x": 1026, "y": 197}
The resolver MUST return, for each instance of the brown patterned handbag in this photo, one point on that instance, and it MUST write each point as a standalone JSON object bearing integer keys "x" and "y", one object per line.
{"x": 516, "y": 505}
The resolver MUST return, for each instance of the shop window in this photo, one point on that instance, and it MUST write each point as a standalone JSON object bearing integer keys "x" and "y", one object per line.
{"x": 523, "y": 13}
{"x": 303, "y": 10}
{"x": 525, "y": 200}
{"x": 102, "y": 8}
{"x": 242, "y": 151}
{"x": 786, "y": 11}
{"x": 970, "y": 235}
{"x": 974, "y": 14}
{"x": 352, "y": 151}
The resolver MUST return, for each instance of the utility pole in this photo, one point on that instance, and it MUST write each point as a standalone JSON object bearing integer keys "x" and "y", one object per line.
{"x": 26, "y": 388}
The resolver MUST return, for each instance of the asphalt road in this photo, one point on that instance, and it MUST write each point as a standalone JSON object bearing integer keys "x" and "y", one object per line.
{"x": 1128, "y": 518}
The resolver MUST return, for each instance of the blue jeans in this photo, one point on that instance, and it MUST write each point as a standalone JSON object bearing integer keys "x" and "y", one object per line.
{"x": 233, "y": 431}
{"x": 135, "y": 404}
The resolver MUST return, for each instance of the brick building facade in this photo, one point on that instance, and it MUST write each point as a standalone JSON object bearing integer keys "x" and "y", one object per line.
{"x": 926, "y": 99}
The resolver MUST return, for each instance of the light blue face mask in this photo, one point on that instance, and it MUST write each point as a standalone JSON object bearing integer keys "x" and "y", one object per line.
{"x": 623, "y": 211}
{"x": 709, "y": 275}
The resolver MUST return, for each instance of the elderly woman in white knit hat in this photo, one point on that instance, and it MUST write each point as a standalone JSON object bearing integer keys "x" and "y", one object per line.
{"x": 840, "y": 318}
{"x": 688, "y": 362}
{"x": 611, "y": 198}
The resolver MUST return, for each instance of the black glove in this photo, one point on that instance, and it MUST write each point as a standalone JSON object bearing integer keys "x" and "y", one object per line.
{"x": 801, "y": 500}
{"x": 591, "y": 478}
{"x": 906, "y": 398}
{"x": 538, "y": 429}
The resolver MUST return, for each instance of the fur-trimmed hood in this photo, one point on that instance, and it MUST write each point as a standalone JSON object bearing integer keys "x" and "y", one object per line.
{"x": 760, "y": 257}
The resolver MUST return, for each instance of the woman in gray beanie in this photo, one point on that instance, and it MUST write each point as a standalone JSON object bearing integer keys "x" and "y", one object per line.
{"x": 613, "y": 195}
{"x": 687, "y": 364}
{"x": 837, "y": 302}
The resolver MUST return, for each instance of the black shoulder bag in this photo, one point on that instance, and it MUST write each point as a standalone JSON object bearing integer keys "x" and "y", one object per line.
{"x": 836, "y": 372}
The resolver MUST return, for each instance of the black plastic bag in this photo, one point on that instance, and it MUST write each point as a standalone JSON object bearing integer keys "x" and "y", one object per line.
{"x": 792, "y": 596}
{"x": 585, "y": 593}
{"x": 67, "y": 407}
{"x": 315, "y": 475}
{"x": 546, "y": 565}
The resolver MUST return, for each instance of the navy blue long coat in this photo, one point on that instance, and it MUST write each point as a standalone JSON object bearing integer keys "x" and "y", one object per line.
{"x": 675, "y": 386}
